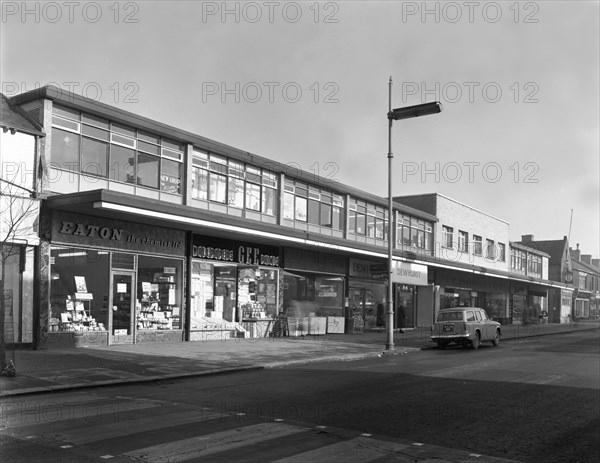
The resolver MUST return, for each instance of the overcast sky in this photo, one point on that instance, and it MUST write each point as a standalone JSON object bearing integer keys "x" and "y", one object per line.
{"x": 306, "y": 84}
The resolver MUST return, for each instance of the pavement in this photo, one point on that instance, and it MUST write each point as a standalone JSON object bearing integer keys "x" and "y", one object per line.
{"x": 74, "y": 368}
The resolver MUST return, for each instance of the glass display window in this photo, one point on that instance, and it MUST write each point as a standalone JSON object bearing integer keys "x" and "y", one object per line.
{"x": 366, "y": 307}
{"x": 496, "y": 306}
{"x": 232, "y": 293}
{"x": 257, "y": 292}
{"x": 79, "y": 285}
{"x": 319, "y": 295}
{"x": 159, "y": 293}
{"x": 202, "y": 292}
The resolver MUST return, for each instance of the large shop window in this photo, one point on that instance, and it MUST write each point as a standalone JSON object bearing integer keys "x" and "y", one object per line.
{"x": 310, "y": 294}
{"x": 452, "y": 297}
{"x": 496, "y": 306}
{"x": 159, "y": 284}
{"x": 232, "y": 293}
{"x": 79, "y": 287}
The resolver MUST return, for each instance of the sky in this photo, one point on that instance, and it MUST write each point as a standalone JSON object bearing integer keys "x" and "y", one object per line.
{"x": 307, "y": 84}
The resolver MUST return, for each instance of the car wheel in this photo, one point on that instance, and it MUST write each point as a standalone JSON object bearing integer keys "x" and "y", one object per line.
{"x": 475, "y": 342}
{"x": 441, "y": 345}
{"x": 496, "y": 340}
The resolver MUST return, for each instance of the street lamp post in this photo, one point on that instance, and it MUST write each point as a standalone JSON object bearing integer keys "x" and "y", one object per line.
{"x": 407, "y": 112}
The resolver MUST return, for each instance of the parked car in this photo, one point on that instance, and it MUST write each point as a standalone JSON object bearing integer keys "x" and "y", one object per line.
{"x": 466, "y": 326}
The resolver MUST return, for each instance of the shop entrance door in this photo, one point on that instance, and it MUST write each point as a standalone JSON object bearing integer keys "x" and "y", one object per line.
{"x": 363, "y": 309}
{"x": 405, "y": 306}
{"x": 122, "y": 305}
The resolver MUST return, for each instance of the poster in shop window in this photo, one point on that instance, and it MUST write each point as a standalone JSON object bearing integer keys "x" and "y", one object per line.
{"x": 170, "y": 184}
{"x": 80, "y": 285}
{"x": 271, "y": 299}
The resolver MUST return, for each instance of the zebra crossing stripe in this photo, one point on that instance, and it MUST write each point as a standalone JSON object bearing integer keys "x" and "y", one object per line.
{"x": 85, "y": 435}
{"x": 209, "y": 444}
{"x": 29, "y": 413}
{"x": 359, "y": 450}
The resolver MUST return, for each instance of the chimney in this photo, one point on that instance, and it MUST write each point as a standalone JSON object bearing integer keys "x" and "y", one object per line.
{"x": 575, "y": 253}
{"x": 596, "y": 262}
{"x": 587, "y": 258}
{"x": 526, "y": 238}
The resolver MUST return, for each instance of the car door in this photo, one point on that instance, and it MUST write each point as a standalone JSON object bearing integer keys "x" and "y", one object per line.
{"x": 481, "y": 324}
{"x": 488, "y": 326}
{"x": 471, "y": 322}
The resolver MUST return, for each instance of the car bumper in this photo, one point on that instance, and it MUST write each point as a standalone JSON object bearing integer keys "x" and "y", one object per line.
{"x": 450, "y": 337}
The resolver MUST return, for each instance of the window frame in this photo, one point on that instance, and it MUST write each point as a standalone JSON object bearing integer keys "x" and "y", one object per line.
{"x": 477, "y": 245}
{"x": 448, "y": 237}
{"x": 463, "y": 241}
{"x": 490, "y": 249}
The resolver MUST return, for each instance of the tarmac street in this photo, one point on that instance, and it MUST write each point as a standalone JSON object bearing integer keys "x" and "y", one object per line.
{"x": 59, "y": 369}
{"x": 445, "y": 405}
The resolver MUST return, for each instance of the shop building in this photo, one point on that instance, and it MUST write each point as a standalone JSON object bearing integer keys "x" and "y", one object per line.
{"x": 20, "y": 142}
{"x": 575, "y": 276}
{"x": 586, "y": 278}
{"x": 529, "y": 299}
{"x": 235, "y": 288}
{"x": 152, "y": 233}
{"x": 475, "y": 264}
{"x": 110, "y": 281}
{"x": 472, "y": 247}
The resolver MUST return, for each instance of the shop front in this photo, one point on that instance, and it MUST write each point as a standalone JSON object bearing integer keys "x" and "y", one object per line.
{"x": 528, "y": 304}
{"x": 463, "y": 289}
{"x": 560, "y": 305}
{"x": 412, "y": 302}
{"x": 314, "y": 285}
{"x": 234, "y": 289}
{"x": 113, "y": 282}
{"x": 581, "y": 304}
{"x": 367, "y": 294}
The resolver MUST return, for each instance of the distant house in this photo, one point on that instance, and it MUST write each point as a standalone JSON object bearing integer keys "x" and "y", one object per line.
{"x": 586, "y": 279}
{"x": 579, "y": 273}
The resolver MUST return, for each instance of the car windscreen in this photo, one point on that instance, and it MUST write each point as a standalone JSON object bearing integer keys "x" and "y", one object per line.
{"x": 449, "y": 316}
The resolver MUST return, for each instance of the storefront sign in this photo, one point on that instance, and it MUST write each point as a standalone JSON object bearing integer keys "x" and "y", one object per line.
{"x": 471, "y": 282}
{"x": 324, "y": 259}
{"x": 109, "y": 233}
{"x": 365, "y": 269}
{"x": 409, "y": 273}
{"x": 235, "y": 251}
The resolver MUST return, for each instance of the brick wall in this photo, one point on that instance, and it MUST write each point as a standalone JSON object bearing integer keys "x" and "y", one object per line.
{"x": 462, "y": 217}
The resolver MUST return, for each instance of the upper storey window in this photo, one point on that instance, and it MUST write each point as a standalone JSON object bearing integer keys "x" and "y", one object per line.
{"x": 100, "y": 148}
{"x": 367, "y": 219}
{"x": 313, "y": 205}
{"x": 412, "y": 232}
{"x": 221, "y": 180}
